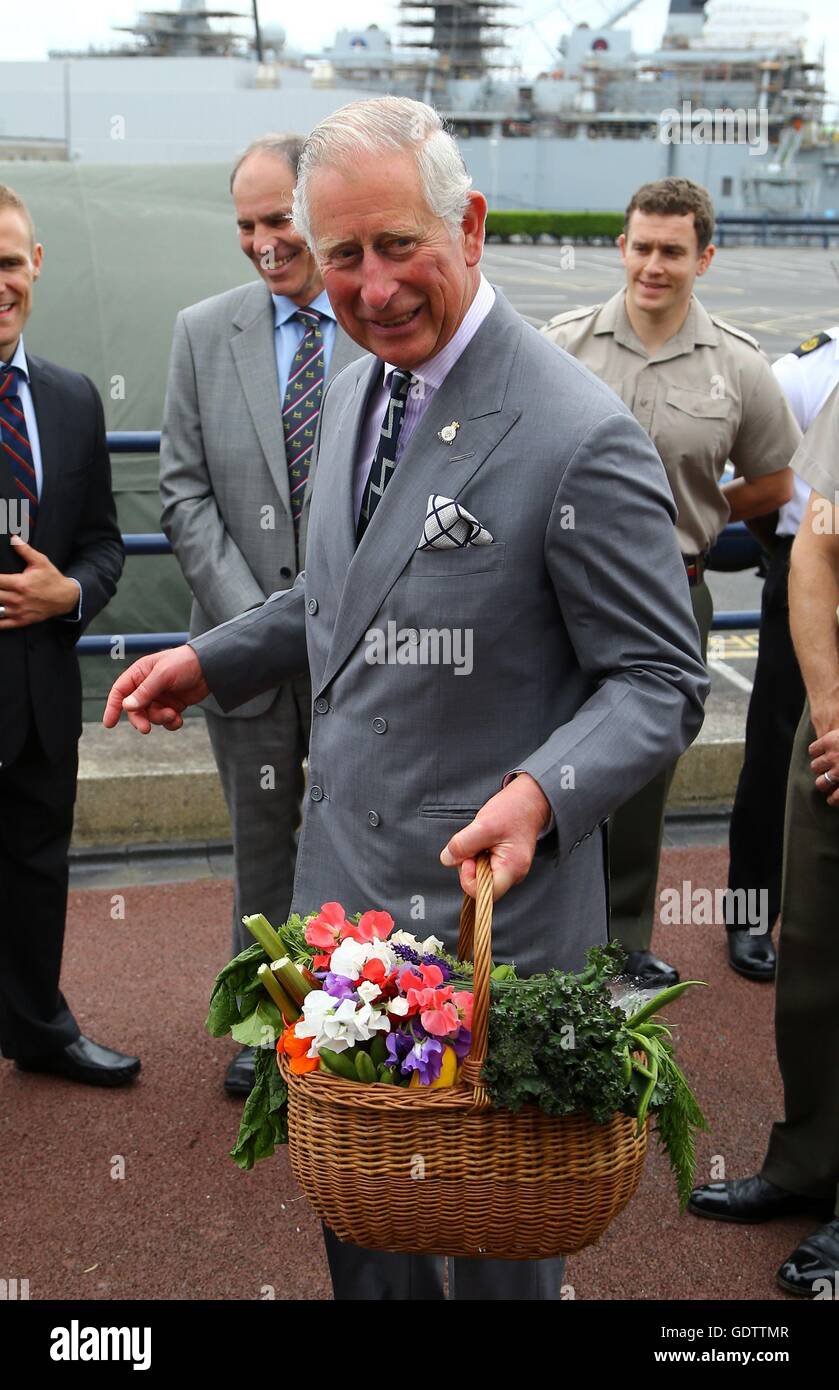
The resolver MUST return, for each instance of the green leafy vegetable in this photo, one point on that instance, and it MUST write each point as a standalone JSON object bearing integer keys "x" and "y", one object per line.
{"x": 264, "y": 1118}
{"x": 236, "y": 991}
{"x": 262, "y": 1028}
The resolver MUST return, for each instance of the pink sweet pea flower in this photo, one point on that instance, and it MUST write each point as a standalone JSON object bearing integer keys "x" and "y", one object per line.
{"x": 371, "y": 925}
{"x": 464, "y": 1000}
{"x": 441, "y": 1018}
{"x": 325, "y": 929}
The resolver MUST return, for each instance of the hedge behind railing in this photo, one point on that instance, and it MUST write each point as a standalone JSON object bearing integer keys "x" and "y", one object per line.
{"x": 578, "y": 226}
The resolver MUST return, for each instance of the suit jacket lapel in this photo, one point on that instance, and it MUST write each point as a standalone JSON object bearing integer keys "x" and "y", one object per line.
{"x": 254, "y": 353}
{"x": 473, "y": 393}
{"x": 53, "y": 445}
{"x": 336, "y": 473}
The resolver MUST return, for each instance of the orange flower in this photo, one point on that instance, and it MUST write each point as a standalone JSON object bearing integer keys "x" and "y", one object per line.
{"x": 293, "y": 1046}
{"x": 300, "y": 1065}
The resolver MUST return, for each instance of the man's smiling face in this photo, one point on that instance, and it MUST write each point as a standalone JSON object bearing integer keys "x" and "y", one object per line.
{"x": 20, "y": 266}
{"x": 262, "y": 194}
{"x": 398, "y": 280}
{"x": 661, "y": 256}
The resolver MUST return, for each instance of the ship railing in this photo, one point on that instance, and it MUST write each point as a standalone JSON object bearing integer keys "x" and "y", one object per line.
{"x": 736, "y": 549}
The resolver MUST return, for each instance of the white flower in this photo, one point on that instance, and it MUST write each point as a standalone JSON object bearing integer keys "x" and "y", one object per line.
{"x": 404, "y": 938}
{"x": 399, "y": 1005}
{"x": 368, "y": 990}
{"x": 316, "y": 1006}
{"x": 431, "y": 944}
{"x": 350, "y": 958}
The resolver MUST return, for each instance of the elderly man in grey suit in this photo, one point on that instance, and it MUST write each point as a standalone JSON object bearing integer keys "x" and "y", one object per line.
{"x": 247, "y": 373}
{"x": 496, "y": 615}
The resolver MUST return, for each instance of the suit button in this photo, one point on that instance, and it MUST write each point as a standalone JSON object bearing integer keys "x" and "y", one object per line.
{"x": 321, "y": 705}
{"x": 316, "y": 793}
{"x": 285, "y": 572}
{"x": 373, "y": 817}
{"x": 312, "y": 606}
{"x": 379, "y": 725}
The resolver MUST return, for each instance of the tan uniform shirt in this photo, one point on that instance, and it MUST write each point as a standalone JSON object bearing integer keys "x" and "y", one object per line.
{"x": 708, "y": 395}
{"x": 817, "y": 457}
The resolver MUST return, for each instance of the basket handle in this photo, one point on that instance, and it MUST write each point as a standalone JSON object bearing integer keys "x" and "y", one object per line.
{"x": 475, "y": 939}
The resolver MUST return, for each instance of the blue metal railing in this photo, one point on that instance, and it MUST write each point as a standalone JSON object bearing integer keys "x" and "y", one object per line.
{"x": 764, "y": 229}
{"x": 736, "y": 549}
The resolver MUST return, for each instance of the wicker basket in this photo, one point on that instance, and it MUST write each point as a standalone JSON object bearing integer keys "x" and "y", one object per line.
{"x": 441, "y": 1171}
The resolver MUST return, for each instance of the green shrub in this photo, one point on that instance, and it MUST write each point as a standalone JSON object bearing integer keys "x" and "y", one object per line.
{"x": 576, "y": 226}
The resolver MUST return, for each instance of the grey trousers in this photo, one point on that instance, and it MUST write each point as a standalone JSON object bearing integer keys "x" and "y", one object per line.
{"x": 260, "y": 763}
{"x": 361, "y": 1274}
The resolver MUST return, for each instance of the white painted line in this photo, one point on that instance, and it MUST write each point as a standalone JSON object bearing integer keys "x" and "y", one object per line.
{"x": 723, "y": 669}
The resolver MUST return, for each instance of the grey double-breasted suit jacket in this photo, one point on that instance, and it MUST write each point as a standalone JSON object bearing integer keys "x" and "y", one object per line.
{"x": 586, "y": 669}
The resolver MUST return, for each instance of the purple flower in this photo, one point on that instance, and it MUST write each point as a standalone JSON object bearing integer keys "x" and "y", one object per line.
{"x": 398, "y": 1044}
{"x": 339, "y": 987}
{"x": 461, "y": 1042}
{"x": 412, "y": 957}
{"x": 426, "y": 1057}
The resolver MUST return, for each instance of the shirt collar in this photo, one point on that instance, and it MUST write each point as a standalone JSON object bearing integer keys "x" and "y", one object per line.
{"x": 698, "y": 328}
{"x": 19, "y": 361}
{"x": 434, "y": 372}
{"x": 285, "y": 309}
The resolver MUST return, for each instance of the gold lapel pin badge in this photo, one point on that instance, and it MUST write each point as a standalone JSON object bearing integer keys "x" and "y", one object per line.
{"x": 448, "y": 432}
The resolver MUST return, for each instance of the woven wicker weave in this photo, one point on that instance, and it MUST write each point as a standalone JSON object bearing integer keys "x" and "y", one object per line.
{"x": 441, "y": 1171}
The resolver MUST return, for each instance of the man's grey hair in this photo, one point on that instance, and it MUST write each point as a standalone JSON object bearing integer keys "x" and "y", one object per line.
{"x": 287, "y": 147}
{"x": 378, "y": 125}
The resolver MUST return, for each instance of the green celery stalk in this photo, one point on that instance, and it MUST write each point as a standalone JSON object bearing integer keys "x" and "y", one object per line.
{"x": 291, "y": 979}
{"x": 268, "y": 939}
{"x": 286, "y": 1006}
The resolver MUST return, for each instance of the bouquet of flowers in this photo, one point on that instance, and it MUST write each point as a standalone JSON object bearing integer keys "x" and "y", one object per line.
{"x": 385, "y": 1010}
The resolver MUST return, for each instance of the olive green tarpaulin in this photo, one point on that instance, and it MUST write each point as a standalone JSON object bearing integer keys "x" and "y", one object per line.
{"x": 126, "y": 247}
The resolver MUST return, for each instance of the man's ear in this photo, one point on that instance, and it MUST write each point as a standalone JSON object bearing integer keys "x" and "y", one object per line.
{"x": 37, "y": 258}
{"x": 621, "y": 245}
{"x": 473, "y": 223}
{"x": 705, "y": 259}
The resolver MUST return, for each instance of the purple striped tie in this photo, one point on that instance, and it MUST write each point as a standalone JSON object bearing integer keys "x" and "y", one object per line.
{"x": 301, "y": 408}
{"x": 17, "y": 451}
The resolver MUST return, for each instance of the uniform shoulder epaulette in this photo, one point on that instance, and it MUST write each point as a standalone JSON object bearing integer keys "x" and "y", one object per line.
{"x": 569, "y": 315}
{"x": 810, "y": 344}
{"x": 737, "y": 332}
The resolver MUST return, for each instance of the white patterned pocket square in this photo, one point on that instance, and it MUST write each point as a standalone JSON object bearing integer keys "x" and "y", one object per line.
{"x": 448, "y": 526}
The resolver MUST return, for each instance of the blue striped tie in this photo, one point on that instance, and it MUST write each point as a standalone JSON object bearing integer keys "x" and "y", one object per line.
{"x": 384, "y": 459}
{"x": 17, "y": 451}
{"x": 301, "y": 408}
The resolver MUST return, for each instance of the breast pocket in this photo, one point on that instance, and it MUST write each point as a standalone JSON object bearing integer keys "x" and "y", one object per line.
{"x": 455, "y": 563}
{"x": 695, "y": 426}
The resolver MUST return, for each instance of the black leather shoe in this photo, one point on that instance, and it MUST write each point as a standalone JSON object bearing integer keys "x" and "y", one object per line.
{"x": 649, "y": 971}
{"x": 752, "y": 956}
{"x": 815, "y": 1260}
{"x": 238, "y": 1079}
{"x": 750, "y": 1200}
{"x": 85, "y": 1061}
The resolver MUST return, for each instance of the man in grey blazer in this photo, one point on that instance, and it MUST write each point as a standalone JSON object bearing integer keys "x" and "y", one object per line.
{"x": 495, "y": 612}
{"x": 235, "y": 498}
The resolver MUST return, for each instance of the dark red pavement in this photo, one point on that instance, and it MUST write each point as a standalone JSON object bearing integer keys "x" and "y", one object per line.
{"x": 184, "y": 1222}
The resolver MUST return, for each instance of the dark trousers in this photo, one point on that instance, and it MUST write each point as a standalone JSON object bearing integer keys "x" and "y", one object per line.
{"x": 362, "y": 1274}
{"x": 36, "y": 820}
{"x": 803, "y": 1153}
{"x": 636, "y": 831}
{"x": 756, "y": 833}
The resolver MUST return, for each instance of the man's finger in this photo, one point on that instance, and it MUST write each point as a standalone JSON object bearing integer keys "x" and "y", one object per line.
{"x": 466, "y": 843}
{"x": 128, "y": 684}
{"x": 27, "y": 553}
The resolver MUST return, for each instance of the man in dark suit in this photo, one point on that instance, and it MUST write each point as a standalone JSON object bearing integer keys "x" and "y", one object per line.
{"x": 60, "y": 558}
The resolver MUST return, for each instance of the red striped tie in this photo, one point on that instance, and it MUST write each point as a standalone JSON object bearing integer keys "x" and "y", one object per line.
{"x": 16, "y": 449}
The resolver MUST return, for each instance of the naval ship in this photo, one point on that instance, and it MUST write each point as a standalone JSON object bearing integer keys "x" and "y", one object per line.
{"x": 729, "y": 98}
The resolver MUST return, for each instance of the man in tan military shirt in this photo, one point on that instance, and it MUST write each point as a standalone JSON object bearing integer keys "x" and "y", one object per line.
{"x": 705, "y": 394}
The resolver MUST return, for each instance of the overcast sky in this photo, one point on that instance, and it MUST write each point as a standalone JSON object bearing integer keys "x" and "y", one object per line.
{"x": 29, "y": 30}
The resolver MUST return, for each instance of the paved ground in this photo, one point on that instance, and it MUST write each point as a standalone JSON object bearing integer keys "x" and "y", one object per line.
{"x": 183, "y": 1222}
